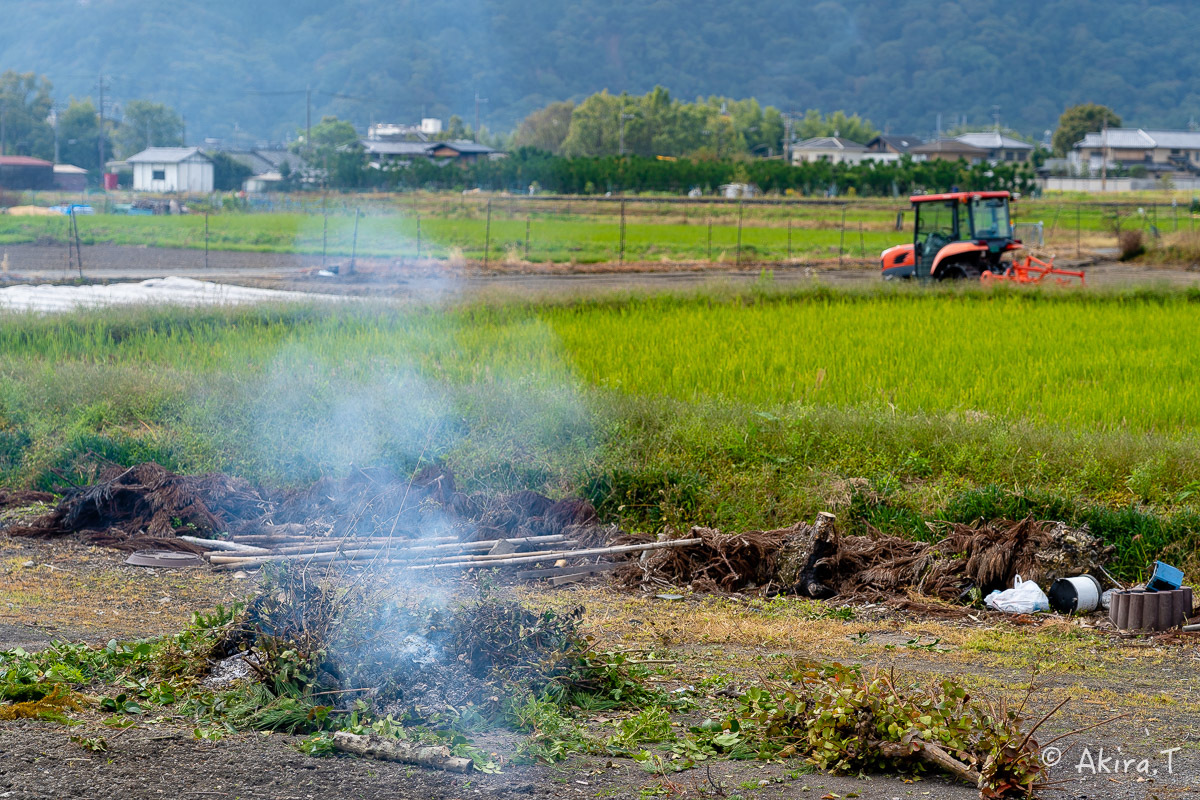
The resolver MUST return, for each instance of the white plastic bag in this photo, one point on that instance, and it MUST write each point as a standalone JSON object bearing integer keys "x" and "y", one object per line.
{"x": 1026, "y": 597}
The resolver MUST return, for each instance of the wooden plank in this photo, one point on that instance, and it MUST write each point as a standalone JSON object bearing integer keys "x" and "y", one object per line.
{"x": 554, "y": 572}
{"x": 595, "y": 569}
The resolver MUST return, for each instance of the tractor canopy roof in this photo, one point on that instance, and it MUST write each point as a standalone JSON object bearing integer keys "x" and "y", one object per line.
{"x": 959, "y": 196}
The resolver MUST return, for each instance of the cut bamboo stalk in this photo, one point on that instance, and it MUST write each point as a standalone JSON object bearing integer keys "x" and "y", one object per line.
{"x": 233, "y": 562}
{"x": 553, "y": 556}
{"x": 222, "y": 545}
{"x": 399, "y": 548}
{"x": 395, "y": 557}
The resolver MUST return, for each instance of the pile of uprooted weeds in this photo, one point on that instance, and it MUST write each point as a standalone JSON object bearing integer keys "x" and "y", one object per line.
{"x": 147, "y": 507}
{"x": 816, "y": 561}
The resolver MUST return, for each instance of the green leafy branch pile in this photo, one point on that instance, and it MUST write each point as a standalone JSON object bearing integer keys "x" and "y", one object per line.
{"x": 845, "y": 721}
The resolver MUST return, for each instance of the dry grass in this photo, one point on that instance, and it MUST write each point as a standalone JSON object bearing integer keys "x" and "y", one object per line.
{"x": 73, "y": 591}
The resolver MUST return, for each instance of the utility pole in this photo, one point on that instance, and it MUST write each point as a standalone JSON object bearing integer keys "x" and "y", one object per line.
{"x": 624, "y": 118}
{"x": 787, "y": 138}
{"x": 478, "y": 100}
{"x": 54, "y": 122}
{"x": 101, "y": 110}
{"x": 1104, "y": 159}
{"x": 308, "y": 118}
{"x": 621, "y": 117}
{"x": 3, "y": 132}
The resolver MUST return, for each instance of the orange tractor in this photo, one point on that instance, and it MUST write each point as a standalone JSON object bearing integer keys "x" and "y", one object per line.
{"x": 966, "y": 235}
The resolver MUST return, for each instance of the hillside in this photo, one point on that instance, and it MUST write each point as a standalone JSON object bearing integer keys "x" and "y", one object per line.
{"x": 238, "y": 66}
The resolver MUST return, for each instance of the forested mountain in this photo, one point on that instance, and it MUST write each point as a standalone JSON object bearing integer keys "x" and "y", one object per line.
{"x": 244, "y": 66}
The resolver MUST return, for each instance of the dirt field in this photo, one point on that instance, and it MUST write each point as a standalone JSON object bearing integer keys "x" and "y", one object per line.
{"x": 62, "y": 590}
{"x": 383, "y": 277}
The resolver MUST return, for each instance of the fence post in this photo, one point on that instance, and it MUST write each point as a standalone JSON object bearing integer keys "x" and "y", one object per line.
{"x": 621, "y": 255}
{"x": 487, "y": 234}
{"x": 528, "y": 221}
{"x": 862, "y": 242}
{"x": 842, "y": 242}
{"x": 418, "y": 238}
{"x": 789, "y": 226}
{"x": 78, "y": 245}
{"x": 1078, "y": 226}
{"x": 737, "y": 258}
{"x": 710, "y": 238}
{"x": 70, "y": 241}
{"x": 324, "y": 227}
{"x": 354, "y": 244}
{"x": 206, "y": 240}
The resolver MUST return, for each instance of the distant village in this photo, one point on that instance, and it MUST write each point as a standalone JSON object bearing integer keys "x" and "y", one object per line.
{"x": 1111, "y": 160}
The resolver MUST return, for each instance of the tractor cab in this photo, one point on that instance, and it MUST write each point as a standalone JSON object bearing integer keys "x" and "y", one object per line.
{"x": 955, "y": 235}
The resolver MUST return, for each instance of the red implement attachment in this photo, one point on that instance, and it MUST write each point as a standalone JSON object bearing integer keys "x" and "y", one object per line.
{"x": 1034, "y": 270}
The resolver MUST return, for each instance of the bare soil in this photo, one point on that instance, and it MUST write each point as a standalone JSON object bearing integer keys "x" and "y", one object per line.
{"x": 406, "y": 278}
{"x": 65, "y": 590}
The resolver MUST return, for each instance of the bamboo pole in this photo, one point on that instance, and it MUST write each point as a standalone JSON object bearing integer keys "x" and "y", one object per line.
{"x": 222, "y": 562}
{"x": 399, "y": 547}
{"x": 591, "y": 551}
{"x": 222, "y": 545}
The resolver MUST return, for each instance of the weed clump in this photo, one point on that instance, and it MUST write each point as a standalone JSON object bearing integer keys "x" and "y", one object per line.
{"x": 1130, "y": 244}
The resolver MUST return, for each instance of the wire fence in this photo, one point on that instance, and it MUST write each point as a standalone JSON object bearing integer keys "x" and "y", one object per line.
{"x": 499, "y": 232}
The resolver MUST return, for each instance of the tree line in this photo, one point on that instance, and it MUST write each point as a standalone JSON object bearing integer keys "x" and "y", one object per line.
{"x": 537, "y": 170}
{"x": 657, "y": 124}
{"x": 33, "y": 124}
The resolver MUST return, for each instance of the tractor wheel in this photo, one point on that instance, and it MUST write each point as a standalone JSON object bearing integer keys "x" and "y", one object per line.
{"x": 961, "y": 271}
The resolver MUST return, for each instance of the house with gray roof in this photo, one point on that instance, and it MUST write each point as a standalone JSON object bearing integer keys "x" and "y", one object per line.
{"x": 383, "y": 153}
{"x": 1159, "y": 152}
{"x": 172, "y": 169}
{"x": 1000, "y": 147}
{"x": 833, "y": 149}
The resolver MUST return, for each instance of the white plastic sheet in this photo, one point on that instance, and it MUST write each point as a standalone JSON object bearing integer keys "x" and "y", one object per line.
{"x": 1026, "y": 597}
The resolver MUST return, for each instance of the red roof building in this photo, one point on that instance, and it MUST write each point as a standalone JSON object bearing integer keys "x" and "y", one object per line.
{"x": 24, "y": 172}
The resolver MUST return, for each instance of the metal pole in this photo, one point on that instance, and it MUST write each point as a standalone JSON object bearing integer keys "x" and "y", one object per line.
{"x": 71, "y": 241}
{"x": 710, "y": 239}
{"x": 528, "y": 222}
{"x": 621, "y": 255}
{"x": 78, "y": 245}
{"x": 354, "y": 245}
{"x": 1078, "y": 224}
{"x": 789, "y": 226}
{"x": 862, "y": 242}
{"x": 206, "y": 240}
{"x": 737, "y": 258}
{"x": 418, "y": 238}
{"x": 487, "y": 234}
{"x": 324, "y": 228}
{"x": 842, "y": 243}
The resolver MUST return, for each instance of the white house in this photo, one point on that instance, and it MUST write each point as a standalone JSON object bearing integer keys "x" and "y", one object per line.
{"x": 828, "y": 148}
{"x": 172, "y": 169}
{"x": 837, "y": 150}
